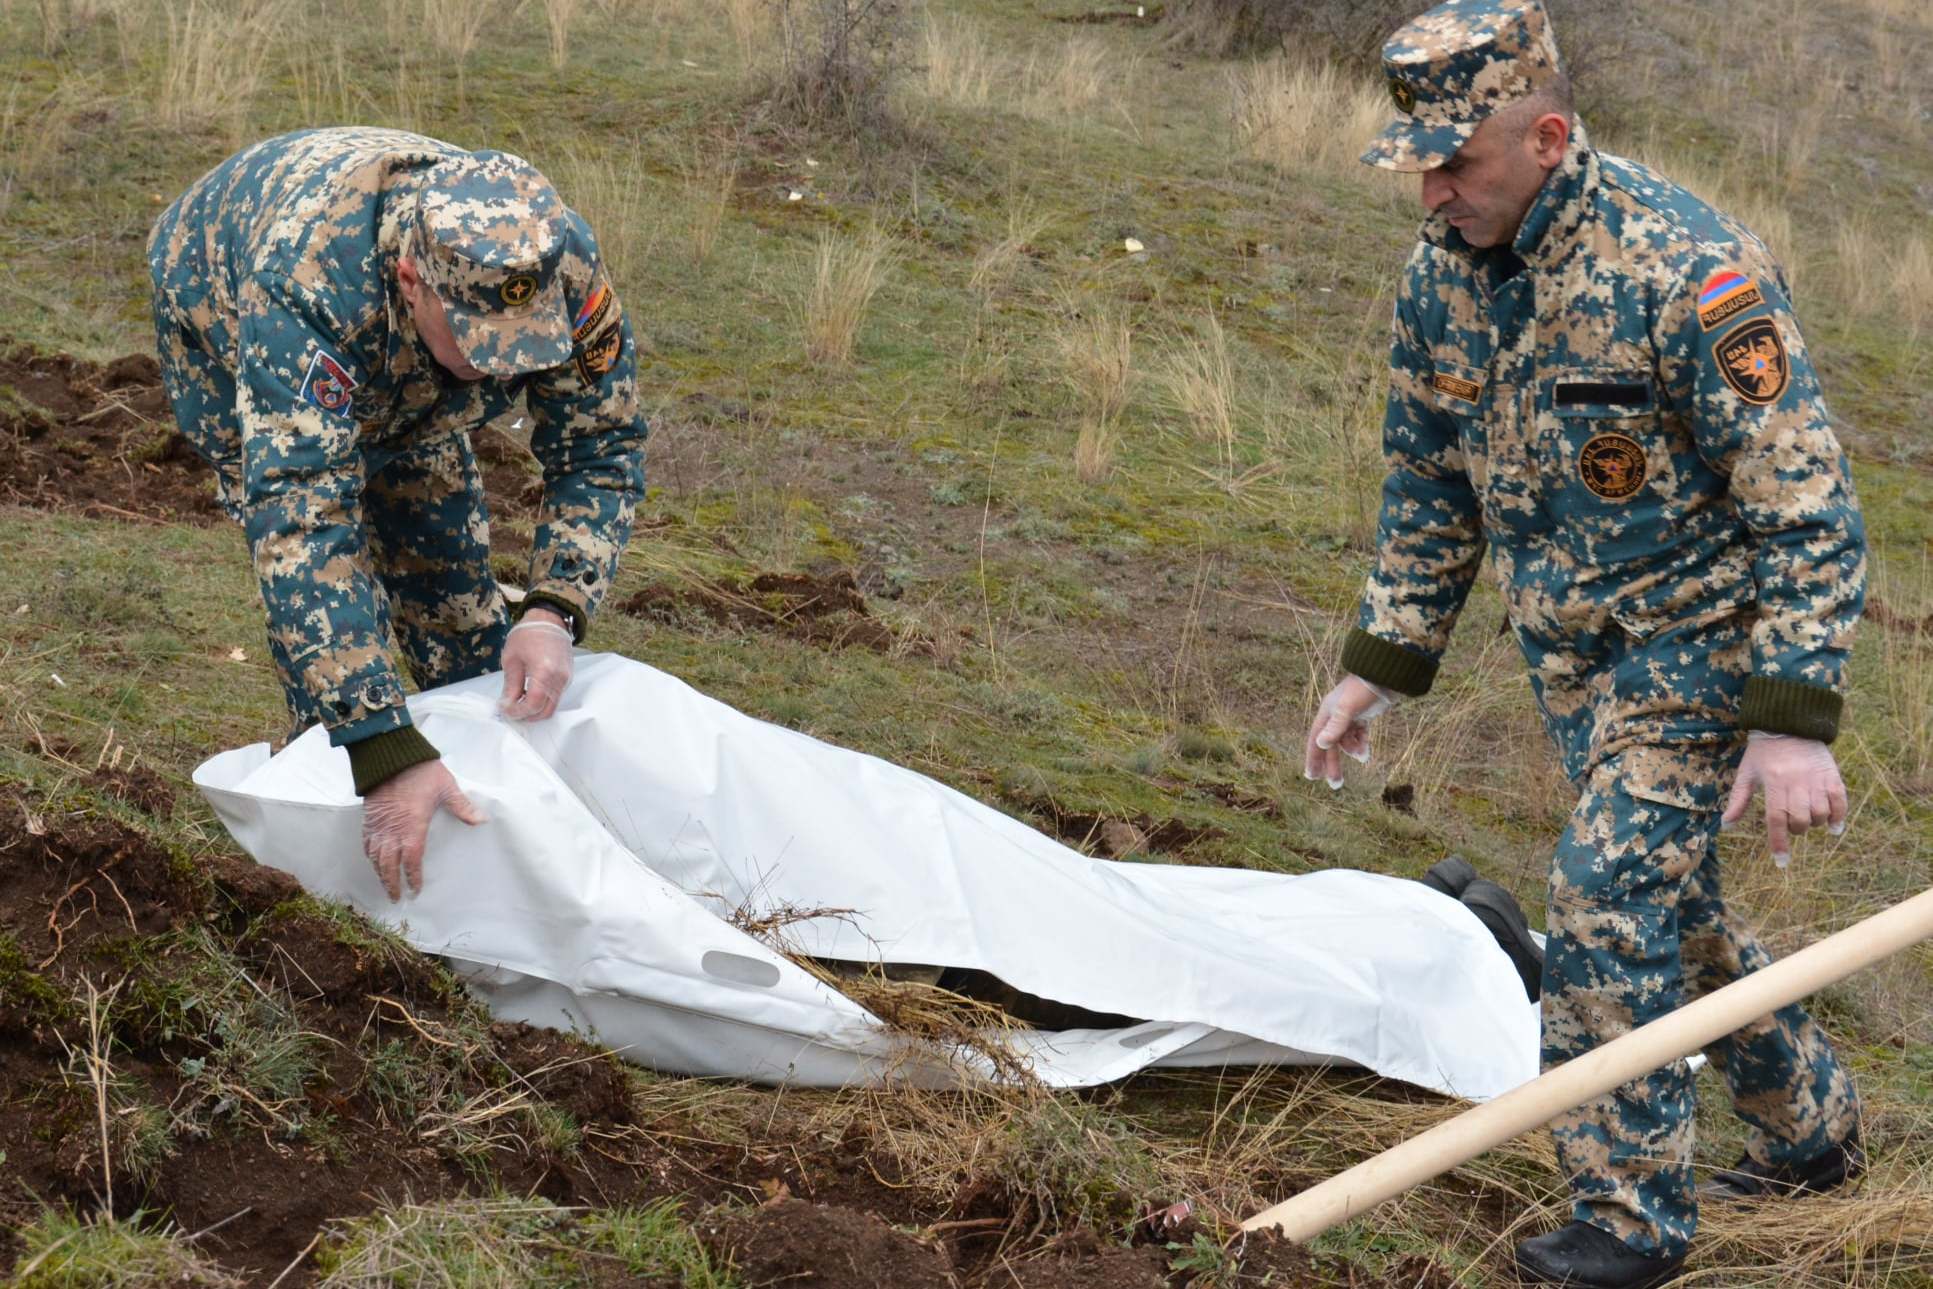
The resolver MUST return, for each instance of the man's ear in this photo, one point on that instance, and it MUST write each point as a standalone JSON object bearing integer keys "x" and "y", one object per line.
{"x": 1551, "y": 133}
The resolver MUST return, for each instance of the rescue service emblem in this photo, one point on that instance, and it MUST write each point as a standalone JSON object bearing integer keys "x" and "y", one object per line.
{"x": 1403, "y": 94}
{"x": 1612, "y": 466}
{"x": 1752, "y": 359}
{"x": 518, "y": 290}
{"x": 328, "y": 383}
{"x": 596, "y": 356}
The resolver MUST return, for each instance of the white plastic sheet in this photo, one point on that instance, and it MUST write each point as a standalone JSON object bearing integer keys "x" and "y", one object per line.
{"x": 625, "y": 829}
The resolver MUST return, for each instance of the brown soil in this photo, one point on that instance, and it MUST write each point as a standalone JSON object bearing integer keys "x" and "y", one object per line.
{"x": 828, "y": 610}
{"x": 96, "y": 439}
{"x": 790, "y": 1242}
{"x": 1115, "y": 838}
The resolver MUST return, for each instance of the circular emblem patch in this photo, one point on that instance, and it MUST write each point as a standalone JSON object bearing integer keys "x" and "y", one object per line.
{"x": 1612, "y": 466}
{"x": 1403, "y": 93}
{"x": 518, "y": 290}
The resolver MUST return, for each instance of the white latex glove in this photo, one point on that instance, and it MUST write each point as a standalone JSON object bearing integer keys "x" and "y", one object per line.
{"x": 1802, "y": 789}
{"x": 536, "y": 667}
{"x": 1342, "y": 726}
{"x": 396, "y": 816}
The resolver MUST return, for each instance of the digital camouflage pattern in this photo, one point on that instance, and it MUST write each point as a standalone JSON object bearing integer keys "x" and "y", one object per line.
{"x": 340, "y": 443}
{"x": 1637, "y": 928}
{"x": 1455, "y": 65}
{"x": 1619, "y": 407}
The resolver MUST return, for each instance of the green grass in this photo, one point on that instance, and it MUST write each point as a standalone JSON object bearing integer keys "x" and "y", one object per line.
{"x": 1147, "y": 645}
{"x": 60, "y": 1251}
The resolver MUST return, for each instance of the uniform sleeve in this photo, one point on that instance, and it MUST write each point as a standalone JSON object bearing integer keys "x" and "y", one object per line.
{"x": 588, "y": 435}
{"x": 302, "y": 482}
{"x": 1734, "y": 363}
{"x": 1429, "y": 538}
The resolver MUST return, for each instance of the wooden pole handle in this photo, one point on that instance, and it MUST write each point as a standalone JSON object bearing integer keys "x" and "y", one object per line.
{"x": 1628, "y": 1057}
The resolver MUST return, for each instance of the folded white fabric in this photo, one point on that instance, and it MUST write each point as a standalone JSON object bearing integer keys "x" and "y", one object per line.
{"x": 625, "y": 829}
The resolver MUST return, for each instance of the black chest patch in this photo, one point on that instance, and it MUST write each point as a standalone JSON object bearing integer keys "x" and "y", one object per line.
{"x": 1573, "y": 393}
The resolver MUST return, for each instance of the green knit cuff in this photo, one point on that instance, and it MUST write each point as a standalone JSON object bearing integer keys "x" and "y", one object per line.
{"x": 572, "y": 614}
{"x": 1791, "y": 707}
{"x": 1379, "y": 662}
{"x": 381, "y": 757}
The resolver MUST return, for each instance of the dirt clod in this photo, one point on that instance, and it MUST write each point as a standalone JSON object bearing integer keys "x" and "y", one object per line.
{"x": 828, "y": 610}
{"x": 791, "y": 1242}
{"x": 96, "y": 439}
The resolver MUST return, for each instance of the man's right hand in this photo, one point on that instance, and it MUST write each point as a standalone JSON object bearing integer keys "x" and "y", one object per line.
{"x": 396, "y": 816}
{"x": 1341, "y": 726}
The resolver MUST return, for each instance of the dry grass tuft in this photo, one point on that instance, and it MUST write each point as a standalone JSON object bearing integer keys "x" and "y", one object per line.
{"x": 994, "y": 267}
{"x": 33, "y": 134}
{"x": 457, "y": 26}
{"x": 847, "y": 272}
{"x": 710, "y": 179}
{"x": 1071, "y": 80}
{"x": 612, "y": 191}
{"x": 213, "y": 63}
{"x": 559, "y": 16}
{"x": 457, "y": 1242}
{"x": 1295, "y": 115}
{"x": 60, "y": 1251}
{"x": 1097, "y": 363}
{"x": 956, "y": 63}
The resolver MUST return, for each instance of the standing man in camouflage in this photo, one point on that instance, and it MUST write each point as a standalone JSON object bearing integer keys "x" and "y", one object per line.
{"x": 1599, "y": 377}
{"x": 336, "y": 311}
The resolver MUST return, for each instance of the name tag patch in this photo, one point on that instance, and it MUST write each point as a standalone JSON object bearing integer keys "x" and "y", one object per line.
{"x": 1574, "y": 393}
{"x": 328, "y": 383}
{"x": 1612, "y": 466}
{"x": 1456, "y": 387}
{"x": 1725, "y": 295}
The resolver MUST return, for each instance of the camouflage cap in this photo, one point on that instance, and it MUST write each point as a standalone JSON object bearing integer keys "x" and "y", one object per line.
{"x": 490, "y": 235}
{"x": 1454, "y": 66}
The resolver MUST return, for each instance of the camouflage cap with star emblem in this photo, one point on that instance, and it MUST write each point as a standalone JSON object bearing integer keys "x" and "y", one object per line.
{"x": 1454, "y": 66}
{"x": 490, "y": 234}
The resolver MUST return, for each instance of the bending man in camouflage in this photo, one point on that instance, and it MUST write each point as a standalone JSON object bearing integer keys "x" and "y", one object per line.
{"x": 336, "y": 311}
{"x": 1599, "y": 377}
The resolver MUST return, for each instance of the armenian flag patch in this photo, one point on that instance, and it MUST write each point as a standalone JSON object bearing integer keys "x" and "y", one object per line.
{"x": 1726, "y": 294}
{"x": 593, "y": 313}
{"x": 328, "y": 383}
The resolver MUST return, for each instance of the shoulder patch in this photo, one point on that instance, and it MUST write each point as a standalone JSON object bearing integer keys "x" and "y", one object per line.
{"x": 328, "y": 383}
{"x": 1752, "y": 359}
{"x": 1456, "y": 387}
{"x": 1726, "y": 294}
{"x": 596, "y": 356}
{"x": 597, "y": 307}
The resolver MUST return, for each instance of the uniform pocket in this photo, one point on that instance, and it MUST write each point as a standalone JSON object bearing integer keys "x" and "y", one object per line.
{"x": 1606, "y": 453}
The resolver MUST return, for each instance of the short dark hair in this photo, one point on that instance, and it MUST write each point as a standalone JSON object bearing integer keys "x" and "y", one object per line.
{"x": 1554, "y": 97}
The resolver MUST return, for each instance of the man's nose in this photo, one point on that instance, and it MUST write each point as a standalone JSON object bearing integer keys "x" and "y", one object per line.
{"x": 1437, "y": 190}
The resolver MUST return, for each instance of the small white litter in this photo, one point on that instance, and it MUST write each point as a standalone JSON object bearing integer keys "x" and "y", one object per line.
{"x": 627, "y": 829}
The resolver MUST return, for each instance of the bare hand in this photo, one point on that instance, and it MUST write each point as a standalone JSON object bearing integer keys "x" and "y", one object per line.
{"x": 396, "y": 816}
{"x": 1341, "y": 726}
{"x": 536, "y": 666}
{"x": 1802, "y": 789}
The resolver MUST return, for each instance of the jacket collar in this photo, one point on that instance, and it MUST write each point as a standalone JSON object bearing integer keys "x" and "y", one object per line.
{"x": 1553, "y": 227}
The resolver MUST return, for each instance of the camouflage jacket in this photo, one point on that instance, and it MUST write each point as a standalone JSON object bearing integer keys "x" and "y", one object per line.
{"x": 1620, "y": 405}
{"x": 283, "y": 261}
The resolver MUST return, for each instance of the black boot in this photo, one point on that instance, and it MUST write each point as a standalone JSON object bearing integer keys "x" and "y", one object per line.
{"x": 1749, "y": 1179}
{"x": 1592, "y": 1258}
{"x": 1499, "y": 911}
{"x": 1449, "y": 876}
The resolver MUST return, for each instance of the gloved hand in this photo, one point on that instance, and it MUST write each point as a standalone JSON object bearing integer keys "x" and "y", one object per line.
{"x": 1342, "y": 726}
{"x": 1802, "y": 789}
{"x": 536, "y": 667}
{"x": 396, "y": 816}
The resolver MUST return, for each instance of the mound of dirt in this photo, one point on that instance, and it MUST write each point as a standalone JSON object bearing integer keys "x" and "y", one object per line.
{"x": 828, "y": 610}
{"x": 790, "y": 1242}
{"x": 1083, "y": 1259}
{"x": 96, "y": 439}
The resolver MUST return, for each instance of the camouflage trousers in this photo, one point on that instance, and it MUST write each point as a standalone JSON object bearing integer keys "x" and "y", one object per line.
{"x": 425, "y": 529}
{"x": 1638, "y": 927}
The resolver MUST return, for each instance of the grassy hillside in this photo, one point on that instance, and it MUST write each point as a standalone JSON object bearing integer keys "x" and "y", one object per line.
{"x": 1070, "y": 365}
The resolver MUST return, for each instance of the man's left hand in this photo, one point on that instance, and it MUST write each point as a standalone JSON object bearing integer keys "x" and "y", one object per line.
{"x": 1803, "y": 789}
{"x": 536, "y": 665}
